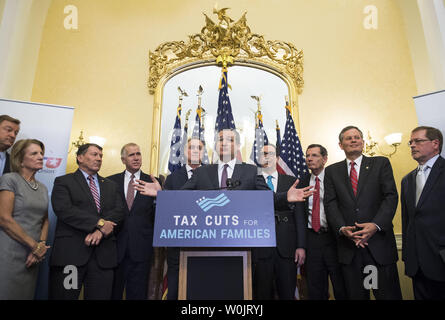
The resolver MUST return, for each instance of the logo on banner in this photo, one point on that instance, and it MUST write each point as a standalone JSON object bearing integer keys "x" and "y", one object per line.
{"x": 52, "y": 163}
{"x": 208, "y": 203}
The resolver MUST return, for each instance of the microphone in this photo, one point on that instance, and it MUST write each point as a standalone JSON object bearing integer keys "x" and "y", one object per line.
{"x": 231, "y": 184}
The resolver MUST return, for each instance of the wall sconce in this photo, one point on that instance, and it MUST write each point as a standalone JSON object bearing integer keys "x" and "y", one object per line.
{"x": 76, "y": 144}
{"x": 97, "y": 140}
{"x": 372, "y": 147}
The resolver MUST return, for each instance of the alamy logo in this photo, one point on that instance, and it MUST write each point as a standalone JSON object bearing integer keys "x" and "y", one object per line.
{"x": 208, "y": 203}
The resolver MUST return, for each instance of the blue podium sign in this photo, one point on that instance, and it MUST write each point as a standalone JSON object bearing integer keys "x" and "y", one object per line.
{"x": 214, "y": 219}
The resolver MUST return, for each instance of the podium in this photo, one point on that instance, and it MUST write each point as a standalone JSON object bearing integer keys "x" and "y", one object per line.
{"x": 215, "y": 231}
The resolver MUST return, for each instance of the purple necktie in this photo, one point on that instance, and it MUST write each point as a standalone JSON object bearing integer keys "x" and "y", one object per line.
{"x": 224, "y": 177}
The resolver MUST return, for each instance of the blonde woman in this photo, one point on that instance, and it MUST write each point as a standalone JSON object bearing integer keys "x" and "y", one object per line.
{"x": 23, "y": 221}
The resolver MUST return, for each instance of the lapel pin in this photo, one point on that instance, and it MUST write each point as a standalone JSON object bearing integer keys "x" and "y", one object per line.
{"x": 367, "y": 168}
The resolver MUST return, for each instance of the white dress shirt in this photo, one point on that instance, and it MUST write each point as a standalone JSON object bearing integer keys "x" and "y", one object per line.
{"x": 230, "y": 169}
{"x": 189, "y": 171}
{"x": 357, "y": 162}
{"x": 127, "y": 178}
{"x": 274, "y": 179}
{"x": 323, "y": 219}
{"x": 429, "y": 165}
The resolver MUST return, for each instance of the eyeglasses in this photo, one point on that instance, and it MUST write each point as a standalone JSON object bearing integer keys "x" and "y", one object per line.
{"x": 417, "y": 141}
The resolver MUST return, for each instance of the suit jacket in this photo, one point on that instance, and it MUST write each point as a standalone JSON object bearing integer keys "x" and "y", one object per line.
{"x": 136, "y": 233}
{"x": 77, "y": 216}
{"x": 290, "y": 234}
{"x": 423, "y": 226}
{"x": 376, "y": 201}
{"x": 7, "y": 168}
{"x": 177, "y": 179}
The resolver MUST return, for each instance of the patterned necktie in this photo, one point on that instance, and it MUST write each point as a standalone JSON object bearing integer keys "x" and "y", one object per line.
{"x": 94, "y": 192}
{"x": 316, "y": 206}
{"x": 420, "y": 181}
{"x": 270, "y": 183}
{"x": 353, "y": 177}
{"x": 130, "y": 192}
{"x": 224, "y": 177}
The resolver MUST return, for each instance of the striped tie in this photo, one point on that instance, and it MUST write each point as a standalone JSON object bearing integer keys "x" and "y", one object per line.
{"x": 353, "y": 177}
{"x": 94, "y": 192}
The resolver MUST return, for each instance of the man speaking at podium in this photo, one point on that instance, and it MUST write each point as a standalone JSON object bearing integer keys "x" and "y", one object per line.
{"x": 229, "y": 174}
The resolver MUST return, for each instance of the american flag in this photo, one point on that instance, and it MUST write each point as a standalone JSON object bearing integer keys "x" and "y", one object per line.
{"x": 175, "y": 144}
{"x": 224, "y": 119}
{"x": 291, "y": 161}
{"x": 260, "y": 140}
{"x": 183, "y": 144}
{"x": 198, "y": 133}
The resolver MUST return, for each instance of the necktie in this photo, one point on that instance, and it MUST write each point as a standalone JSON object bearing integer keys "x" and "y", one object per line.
{"x": 420, "y": 181}
{"x": 316, "y": 206}
{"x": 94, "y": 192}
{"x": 270, "y": 183}
{"x": 130, "y": 192}
{"x": 224, "y": 177}
{"x": 353, "y": 177}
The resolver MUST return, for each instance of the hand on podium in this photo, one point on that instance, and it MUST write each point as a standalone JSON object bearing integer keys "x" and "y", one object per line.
{"x": 148, "y": 188}
{"x": 299, "y": 195}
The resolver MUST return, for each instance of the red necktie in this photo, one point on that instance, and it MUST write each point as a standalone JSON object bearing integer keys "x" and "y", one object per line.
{"x": 130, "y": 192}
{"x": 94, "y": 192}
{"x": 353, "y": 177}
{"x": 316, "y": 206}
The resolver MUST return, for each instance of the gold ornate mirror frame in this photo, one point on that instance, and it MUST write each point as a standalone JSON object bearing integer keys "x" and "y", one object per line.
{"x": 224, "y": 43}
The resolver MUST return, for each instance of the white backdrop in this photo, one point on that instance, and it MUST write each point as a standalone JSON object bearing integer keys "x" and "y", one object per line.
{"x": 430, "y": 110}
{"x": 52, "y": 125}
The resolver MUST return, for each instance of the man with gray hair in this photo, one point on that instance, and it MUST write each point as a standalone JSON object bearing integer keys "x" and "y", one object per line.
{"x": 423, "y": 215}
{"x": 135, "y": 237}
{"x": 9, "y": 129}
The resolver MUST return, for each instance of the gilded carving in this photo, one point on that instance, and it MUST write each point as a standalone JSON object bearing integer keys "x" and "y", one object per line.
{"x": 225, "y": 43}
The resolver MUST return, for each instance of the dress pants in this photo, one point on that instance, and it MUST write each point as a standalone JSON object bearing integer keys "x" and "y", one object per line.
{"x": 172, "y": 273}
{"x": 133, "y": 276}
{"x": 97, "y": 281}
{"x": 388, "y": 285}
{"x": 427, "y": 289}
{"x": 282, "y": 270}
{"x": 321, "y": 263}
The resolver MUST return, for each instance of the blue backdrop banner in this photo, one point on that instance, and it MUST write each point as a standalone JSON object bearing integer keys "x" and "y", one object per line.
{"x": 214, "y": 219}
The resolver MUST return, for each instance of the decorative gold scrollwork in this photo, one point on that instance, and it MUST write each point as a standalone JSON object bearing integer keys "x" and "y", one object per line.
{"x": 226, "y": 42}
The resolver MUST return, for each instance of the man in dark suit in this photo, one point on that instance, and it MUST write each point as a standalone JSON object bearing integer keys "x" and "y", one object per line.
{"x": 242, "y": 176}
{"x": 175, "y": 181}
{"x": 9, "y": 129}
{"x": 361, "y": 200}
{"x": 279, "y": 263}
{"x": 423, "y": 215}
{"x": 321, "y": 254}
{"x": 135, "y": 237}
{"x": 88, "y": 208}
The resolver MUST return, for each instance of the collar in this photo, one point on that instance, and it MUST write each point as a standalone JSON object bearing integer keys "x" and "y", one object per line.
{"x": 137, "y": 174}
{"x": 320, "y": 176}
{"x": 2, "y": 155}
{"x": 357, "y": 161}
{"x": 430, "y": 163}
{"x": 86, "y": 175}
{"x": 231, "y": 164}
{"x": 273, "y": 174}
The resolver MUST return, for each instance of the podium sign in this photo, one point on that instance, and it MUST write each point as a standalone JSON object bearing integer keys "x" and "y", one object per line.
{"x": 214, "y": 219}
